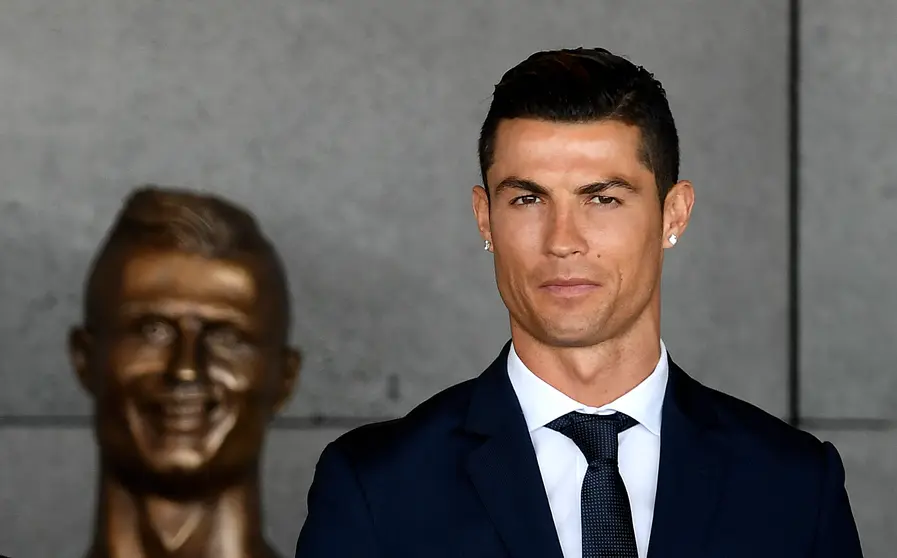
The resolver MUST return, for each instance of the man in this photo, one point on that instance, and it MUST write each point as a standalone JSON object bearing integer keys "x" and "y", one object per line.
{"x": 183, "y": 351}
{"x": 582, "y": 439}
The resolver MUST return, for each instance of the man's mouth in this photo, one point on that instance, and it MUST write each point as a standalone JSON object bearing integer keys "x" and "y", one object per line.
{"x": 569, "y": 286}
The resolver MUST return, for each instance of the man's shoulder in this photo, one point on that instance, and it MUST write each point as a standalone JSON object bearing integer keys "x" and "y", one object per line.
{"x": 424, "y": 429}
{"x": 761, "y": 433}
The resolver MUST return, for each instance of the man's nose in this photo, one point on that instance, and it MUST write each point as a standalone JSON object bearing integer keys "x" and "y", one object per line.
{"x": 564, "y": 235}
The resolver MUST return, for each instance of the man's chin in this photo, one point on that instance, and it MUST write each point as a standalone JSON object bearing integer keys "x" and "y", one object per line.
{"x": 571, "y": 334}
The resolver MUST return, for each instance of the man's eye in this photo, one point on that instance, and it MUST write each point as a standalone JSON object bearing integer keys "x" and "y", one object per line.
{"x": 525, "y": 200}
{"x": 157, "y": 332}
{"x": 604, "y": 200}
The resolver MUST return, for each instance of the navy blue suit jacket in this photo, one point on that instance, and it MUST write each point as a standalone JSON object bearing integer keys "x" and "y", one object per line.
{"x": 458, "y": 477}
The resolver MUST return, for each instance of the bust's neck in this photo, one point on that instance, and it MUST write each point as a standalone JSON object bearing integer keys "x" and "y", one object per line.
{"x": 226, "y": 524}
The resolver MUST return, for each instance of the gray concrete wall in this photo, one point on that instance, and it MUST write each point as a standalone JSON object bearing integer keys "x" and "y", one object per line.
{"x": 849, "y": 246}
{"x": 350, "y": 129}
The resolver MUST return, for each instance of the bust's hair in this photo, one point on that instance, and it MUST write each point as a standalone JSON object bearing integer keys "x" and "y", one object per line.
{"x": 172, "y": 218}
{"x": 197, "y": 223}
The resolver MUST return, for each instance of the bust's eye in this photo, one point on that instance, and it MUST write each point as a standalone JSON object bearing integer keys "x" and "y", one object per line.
{"x": 157, "y": 332}
{"x": 223, "y": 337}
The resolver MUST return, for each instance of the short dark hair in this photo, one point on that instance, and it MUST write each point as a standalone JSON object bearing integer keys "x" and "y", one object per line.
{"x": 175, "y": 218}
{"x": 587, "y": 85}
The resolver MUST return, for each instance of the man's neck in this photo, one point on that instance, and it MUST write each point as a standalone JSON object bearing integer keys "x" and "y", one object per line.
{"x": 132, "y": 525}
{"x": 594, "y": 375}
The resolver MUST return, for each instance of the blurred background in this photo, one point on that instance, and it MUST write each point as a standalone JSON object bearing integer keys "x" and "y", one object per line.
{"x": 349, "y": 128}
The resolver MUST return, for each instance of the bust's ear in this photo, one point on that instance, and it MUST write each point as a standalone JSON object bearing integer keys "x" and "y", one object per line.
{"x": 80, "y": 346}
{"x": 292, "y": 362}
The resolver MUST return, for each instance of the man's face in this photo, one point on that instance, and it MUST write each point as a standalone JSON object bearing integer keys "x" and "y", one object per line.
{"x": 577, "y": 228}
{"x": 186, "y": 365}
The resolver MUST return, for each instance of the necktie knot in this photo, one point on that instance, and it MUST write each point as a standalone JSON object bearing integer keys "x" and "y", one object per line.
{"x": 594, "y": 435}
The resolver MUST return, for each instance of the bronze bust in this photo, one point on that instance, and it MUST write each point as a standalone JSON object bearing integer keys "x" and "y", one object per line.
{"x": 184, "y": 353}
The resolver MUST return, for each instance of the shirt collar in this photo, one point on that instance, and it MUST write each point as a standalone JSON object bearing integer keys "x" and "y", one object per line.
{"x": 542, "y": 403}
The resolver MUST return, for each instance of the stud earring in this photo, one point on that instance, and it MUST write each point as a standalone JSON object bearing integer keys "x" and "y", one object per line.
{"x": 487, "y": 245}
{"x": 674, "y": 239}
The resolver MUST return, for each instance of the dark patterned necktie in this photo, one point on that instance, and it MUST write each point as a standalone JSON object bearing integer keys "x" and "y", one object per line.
{"x": 606, "y": 517}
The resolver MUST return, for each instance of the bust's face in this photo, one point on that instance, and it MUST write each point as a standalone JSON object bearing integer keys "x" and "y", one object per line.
{"x": 186, "y": 366}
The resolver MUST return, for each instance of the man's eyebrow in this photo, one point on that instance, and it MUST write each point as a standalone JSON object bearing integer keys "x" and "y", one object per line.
{"x": 600, "y": 186}
{"x": 513, "y": 182}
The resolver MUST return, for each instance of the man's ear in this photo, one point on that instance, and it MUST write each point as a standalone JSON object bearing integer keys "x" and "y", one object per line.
{"x": 80, "y": 348}
{"x": 480, "y": 203}
{"x": 292, "y": 362}
{"x": 677, "y": 208}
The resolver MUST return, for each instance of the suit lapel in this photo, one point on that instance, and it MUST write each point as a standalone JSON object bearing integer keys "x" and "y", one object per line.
{"x": 504, "y": 469}
{"x": 693, "y": 464}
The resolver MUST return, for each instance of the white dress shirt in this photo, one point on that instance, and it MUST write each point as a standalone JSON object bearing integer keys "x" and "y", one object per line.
{"x": 563, "y": 465}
